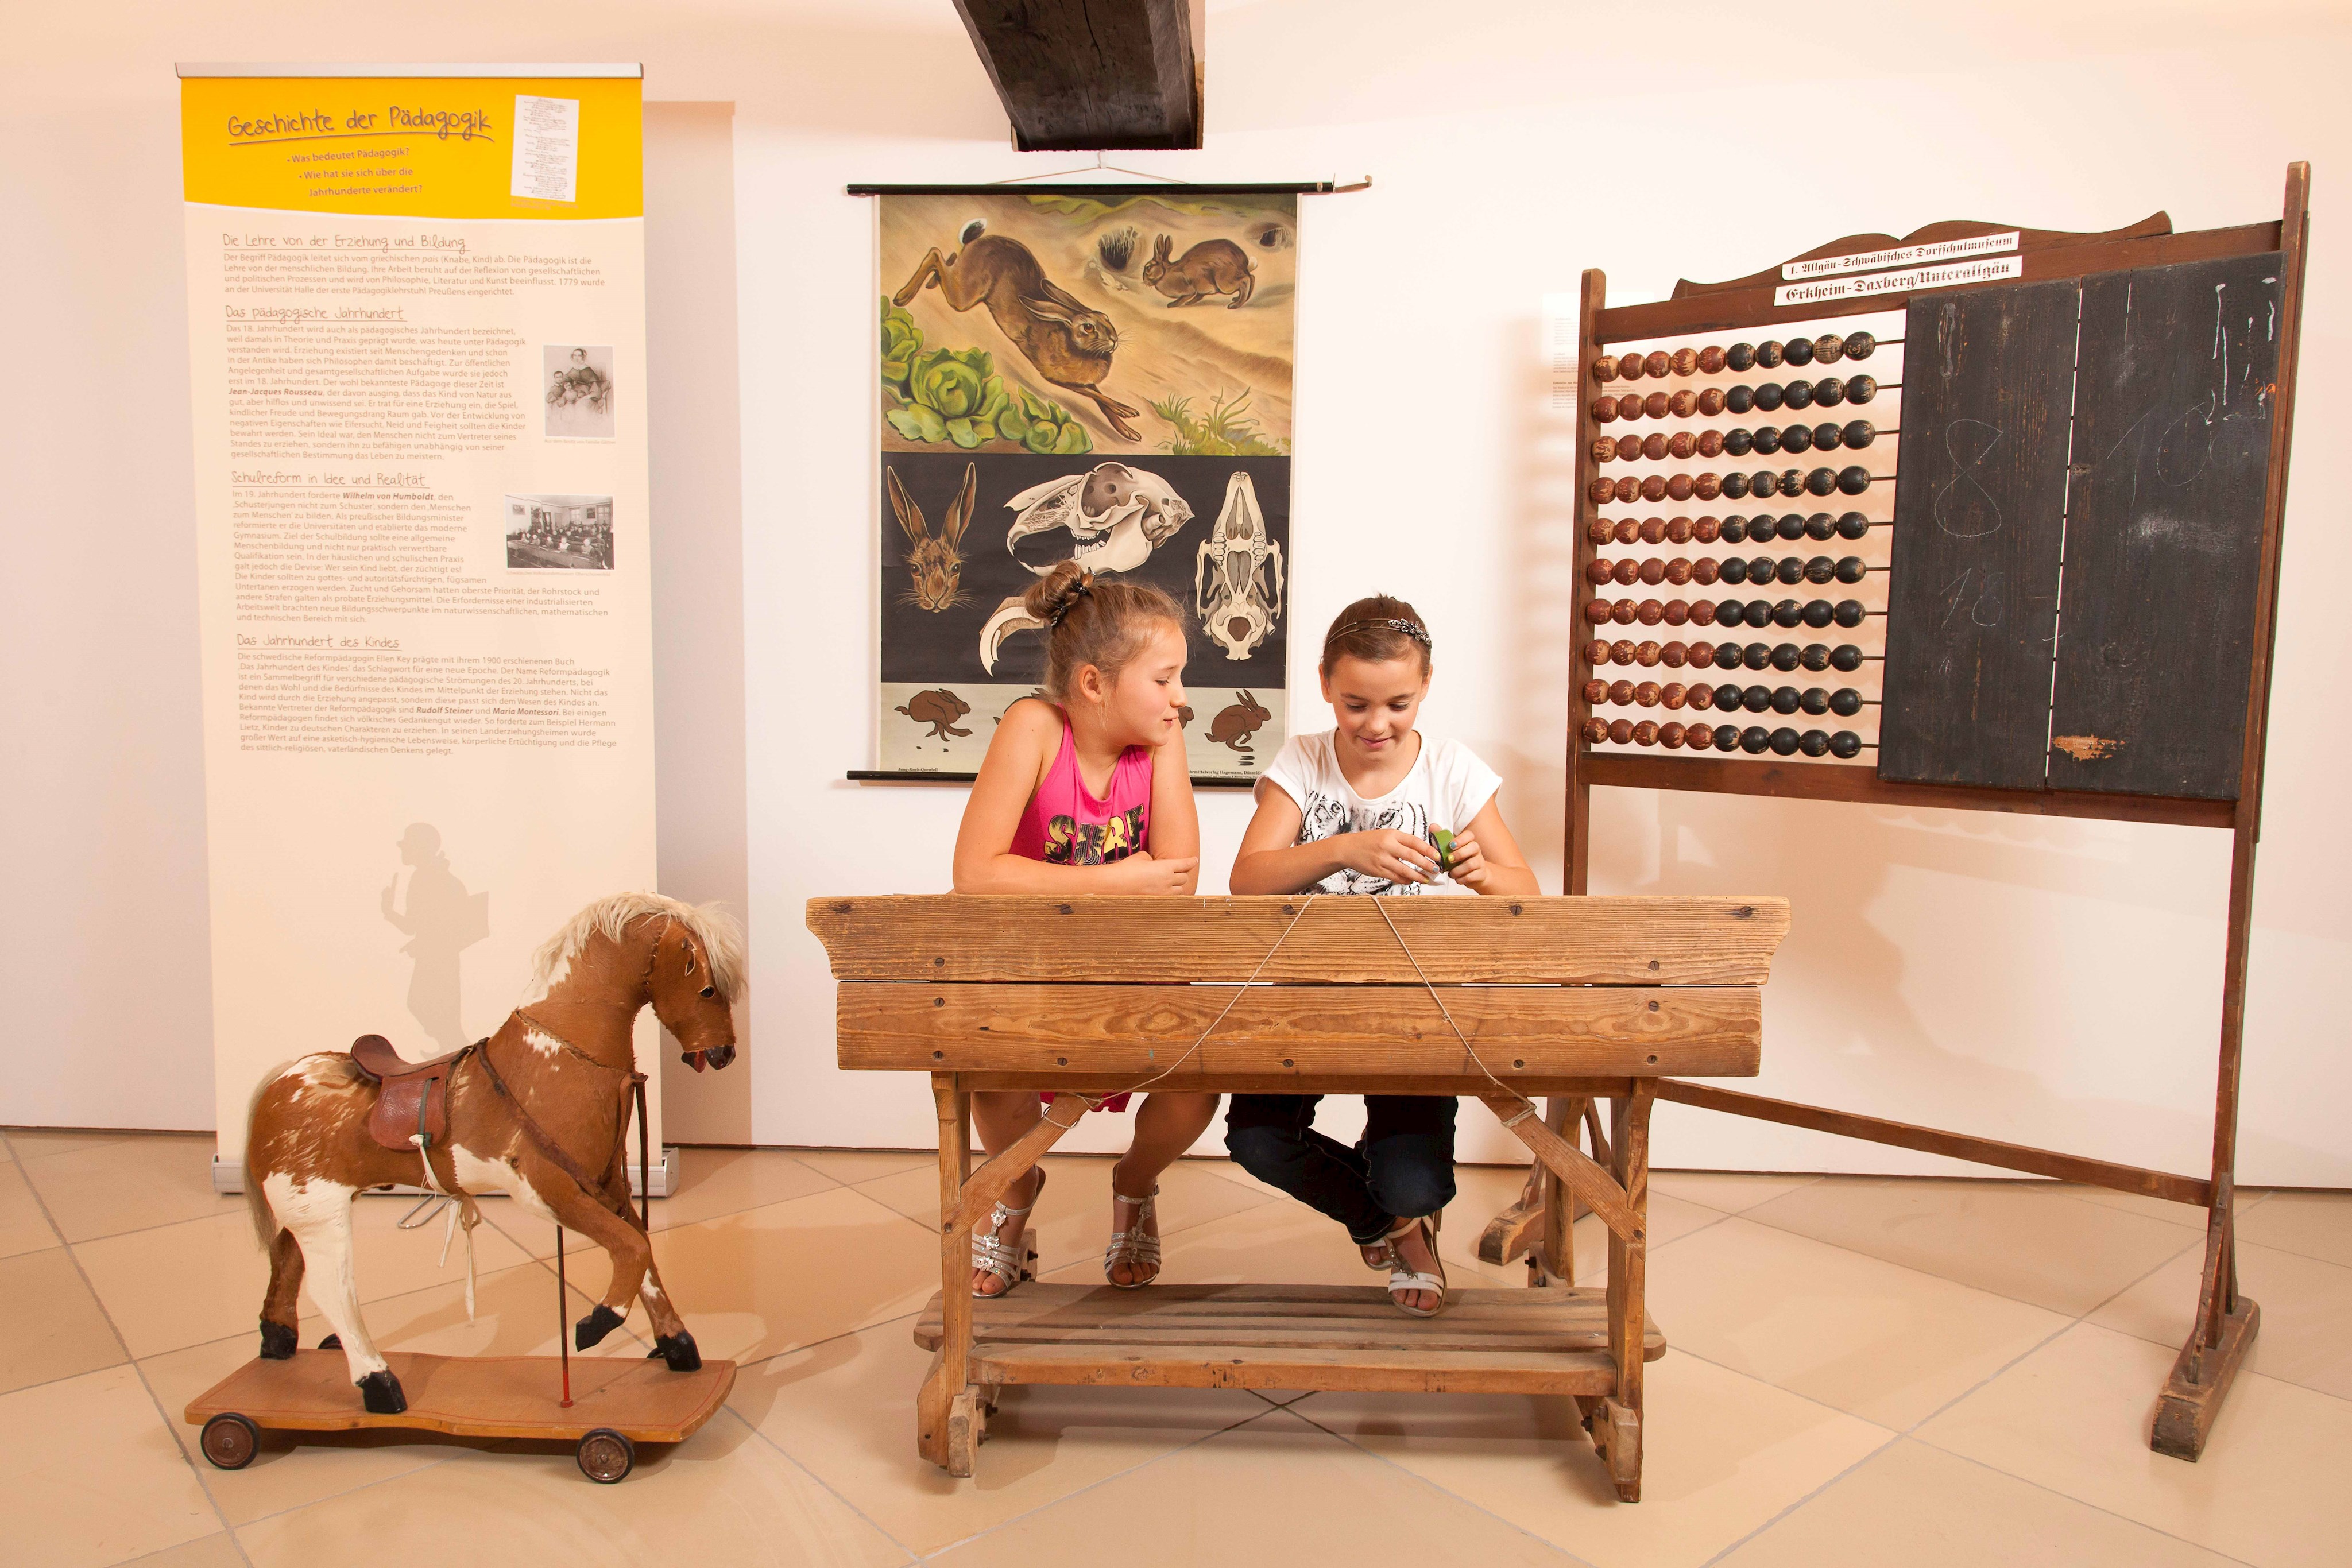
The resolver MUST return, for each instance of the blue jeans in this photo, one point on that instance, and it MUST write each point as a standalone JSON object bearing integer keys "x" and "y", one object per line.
{"x": 1402, "y": 1168}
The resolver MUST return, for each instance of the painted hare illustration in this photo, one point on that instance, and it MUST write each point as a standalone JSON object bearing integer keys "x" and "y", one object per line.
{"x": 937, "y": 559}
{"x": 1070, "y": 345}
{"x": 1211, "y": 266}
{"x": 940, "y": 708}
{"x": 1233, "y": 726}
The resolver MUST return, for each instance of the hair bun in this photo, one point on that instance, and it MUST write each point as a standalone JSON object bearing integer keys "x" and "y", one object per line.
{"x": 1051, "y": 595}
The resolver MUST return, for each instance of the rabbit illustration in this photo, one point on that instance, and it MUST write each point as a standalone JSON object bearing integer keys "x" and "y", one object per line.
{"x": 939, "y": 708}
{"x": 1233, "y": 726}
{"x": 1211, "y": 266}
{"x": 937, "y": 559}
{"x": 1070, "y": 345}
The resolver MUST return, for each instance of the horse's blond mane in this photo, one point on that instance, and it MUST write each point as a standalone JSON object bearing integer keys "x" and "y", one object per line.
{"x": 721, "y": 937}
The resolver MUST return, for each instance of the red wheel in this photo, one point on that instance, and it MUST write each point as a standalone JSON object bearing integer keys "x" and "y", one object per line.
{"x": 229, "y": 1440}
{"x": 606, "y": 1456}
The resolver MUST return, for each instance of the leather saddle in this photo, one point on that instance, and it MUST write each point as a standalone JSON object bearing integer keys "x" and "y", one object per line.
{"x": 413, "y": 1098}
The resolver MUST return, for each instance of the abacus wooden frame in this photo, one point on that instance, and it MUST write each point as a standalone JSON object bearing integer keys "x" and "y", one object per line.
{"x": 2226, "y": 1321}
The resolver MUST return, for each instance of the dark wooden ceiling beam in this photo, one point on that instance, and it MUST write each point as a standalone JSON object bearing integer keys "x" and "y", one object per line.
{"x": 1091, "y": 74}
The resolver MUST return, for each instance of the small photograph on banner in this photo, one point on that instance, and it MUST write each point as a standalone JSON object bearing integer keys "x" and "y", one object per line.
{"x": 579, "y": 382}
{"x": 559, "y": 533}
{"x": 546, "y": 147}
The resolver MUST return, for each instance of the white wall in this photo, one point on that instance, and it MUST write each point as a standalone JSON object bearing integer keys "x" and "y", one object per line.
{"x": 2049, "y": 982}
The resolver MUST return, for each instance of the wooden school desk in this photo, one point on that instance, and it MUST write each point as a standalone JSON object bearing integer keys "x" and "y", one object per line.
{"x": 1582, "y": 998}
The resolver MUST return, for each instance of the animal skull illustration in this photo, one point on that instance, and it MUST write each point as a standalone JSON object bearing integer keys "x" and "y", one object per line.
{"x": 1116, "y": 515}
{"x": 1237, "y": 577}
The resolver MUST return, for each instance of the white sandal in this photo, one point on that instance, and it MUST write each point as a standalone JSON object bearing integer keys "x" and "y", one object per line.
{"x": 1134, "y": 1245}
{"x": 1001, "y": 1260}
{"x": 1402, "y": 1279}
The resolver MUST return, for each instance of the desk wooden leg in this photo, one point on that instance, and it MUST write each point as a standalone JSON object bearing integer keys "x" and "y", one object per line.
{"x": 1617, "y": 1426}
{"x": 935, "y": 1406}
{"x": 2226, "y": 1325}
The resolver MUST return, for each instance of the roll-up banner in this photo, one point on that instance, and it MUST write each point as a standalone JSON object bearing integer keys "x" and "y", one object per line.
{"x": 416, "y": 335}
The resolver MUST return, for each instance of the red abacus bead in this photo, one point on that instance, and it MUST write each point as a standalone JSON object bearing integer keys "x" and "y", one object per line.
{"x": 1646, "y": 695}
{"x": 1597, "y": 531}
{"x": 1629, "y": 405}
{"x": 1700, "y": 698}
{"x": 1622, "y": 651}
{"x": 1656, "y": 404}
{"x": 1620, "y": 692}
{"x": 1707, "y": 486}
{"x": 1670, "y": 736}
{"x": 1604, "y": 368}
{"x": 1623, "y": 612}
{"x": 1684, "y": 361}
{"x": 1685, "y": 403}
{"x": 1681, "y": 444}
{"x": 1706, "y": 531}
{"x": 1647, "y": 654}
{"x": 1597, "y": 611}
{"x": 1631, "y": 368}
{"x": 1596, "y": 730}
{"x": 1596, "y": 652}
{"x": 1596, "y": 692}
{"x": 1653, "y": 572}
{"x": 1710, "y": 400}
{"x": 1673, "y": 656}
{"x": 1679, "y": 530}
{"x": 1626, "y": 570}
{"x": 1652, "y": 446}
{"x": 1627, "y": 487}
{"x": 1625, "y": 447}
{"x": 1702, "y": 655}
{"x": 1702, "y": 612}
{"x": 1626, "y": 532}
{"x": 1645, "y": 734}
{"x": 1601, "y": 489}
{"x": 1699, "y": 737}
{"x": 1704, "y": 570}
{"x": 1674, "y": 694}
{"x": 1596, "y": 572}
{"x": 1604, "y": 409}
{"x": 1680, "y": 487}
{"x": 1710, "y": 359}
{"x": 1657, "y": 363}
{"x": 1676, "y": 613}
{"x": 1652, "y": 488}
{"x": 1603, "y": 449}
{"x": 1620, "y": 730}
{"x": 1678, "y": 570}
{"x": 1710, "y": 444}
{"x": 1650, "y": 612}
{"x": 1652, "y": 530}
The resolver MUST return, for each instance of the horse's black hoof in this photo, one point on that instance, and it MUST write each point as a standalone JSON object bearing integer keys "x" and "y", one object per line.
{"x": 591, "y": 1330}
{"x": 381, "y": 1393}
{"x": 332, "y": 1342}
{"x": 678, "y": 1350}
{"x": 278, "y": 1340}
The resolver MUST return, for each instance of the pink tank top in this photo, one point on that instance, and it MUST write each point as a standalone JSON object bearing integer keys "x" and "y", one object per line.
{"x": 1064, "y": 825}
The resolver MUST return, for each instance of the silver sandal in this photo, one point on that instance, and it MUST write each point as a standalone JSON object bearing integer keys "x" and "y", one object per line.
{"x": 1001, "y": 1260}
{"x": 1134, "y": 1245}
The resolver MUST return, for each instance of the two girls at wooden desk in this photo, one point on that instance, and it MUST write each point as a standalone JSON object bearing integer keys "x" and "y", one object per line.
{"x": 1088, "y": 792}
{"x": 1358, "y": 809}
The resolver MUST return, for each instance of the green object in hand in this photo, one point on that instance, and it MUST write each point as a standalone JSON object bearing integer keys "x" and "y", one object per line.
{"x": 1444, "y": 842}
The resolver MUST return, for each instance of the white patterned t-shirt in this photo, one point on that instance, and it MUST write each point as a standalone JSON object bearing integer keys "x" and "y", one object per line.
{"x": 1446, "y": 786}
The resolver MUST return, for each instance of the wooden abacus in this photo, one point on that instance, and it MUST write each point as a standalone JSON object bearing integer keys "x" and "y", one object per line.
{"x": 2039, "y": 574}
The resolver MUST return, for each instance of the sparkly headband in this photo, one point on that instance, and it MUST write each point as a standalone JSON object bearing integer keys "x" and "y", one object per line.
{"x": 1068, "y": 604}
{"x": 1412, "y": 629}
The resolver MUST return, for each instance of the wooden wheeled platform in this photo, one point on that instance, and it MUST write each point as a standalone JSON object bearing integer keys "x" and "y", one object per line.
{"x": 1583, "y": 999}
{"x": 617, "y": 1403}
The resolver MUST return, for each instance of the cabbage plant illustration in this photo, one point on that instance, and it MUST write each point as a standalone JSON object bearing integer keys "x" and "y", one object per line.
{"x": 954, "y": 394}
{"x": 1043, "y": 426}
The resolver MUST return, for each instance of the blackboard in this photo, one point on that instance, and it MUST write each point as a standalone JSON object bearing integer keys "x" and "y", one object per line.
{"x": 2174, "y": 402}
{"x": 1980, "y": 495}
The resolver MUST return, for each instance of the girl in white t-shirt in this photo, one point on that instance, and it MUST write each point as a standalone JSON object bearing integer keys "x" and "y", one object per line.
{"x": 1356, "y": 810}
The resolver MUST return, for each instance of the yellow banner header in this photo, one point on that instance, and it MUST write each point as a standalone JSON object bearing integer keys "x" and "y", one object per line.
{"x": 427, "y": 147}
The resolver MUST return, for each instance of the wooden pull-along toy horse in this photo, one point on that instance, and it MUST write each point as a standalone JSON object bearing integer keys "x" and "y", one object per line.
{"x": 538, "y": 1110}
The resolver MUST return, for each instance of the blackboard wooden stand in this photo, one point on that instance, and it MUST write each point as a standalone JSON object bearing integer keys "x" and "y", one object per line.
{"x": 1946, "y": 754}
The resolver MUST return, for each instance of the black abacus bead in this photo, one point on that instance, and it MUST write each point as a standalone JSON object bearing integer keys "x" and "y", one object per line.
{"x": 1829, "y": 392}
{"x": 1858, "y": 434}
{"x": 1768, "y": 398}
{"x": 1796, "y": 438}
{"x": 1735, "y": 486}
{"x": 1860, "y": 389}
{"x": 1853, "y": 525}
{"x": 1798, "y": 394}
{"x": 1785, "y": 657}
{"x": 1788, "y": 613}
{"x": 1852, "y": 569}
{"x": 1784, "y": 699}
{"x": 1821, "y": 482}
{"x": 1785, "y": 742}
{"x": 1820, "y": 526}
{"x": 1756, "y": 740}
{"x": 1768, "y": 440}
{"x": 1740, "y": 356}
{"x": 1758, "y": 612}
{"x": 1814, "y": 742}
{"x": 1798, "y": 352}
{"x": 1763, "y": 485}
{"x": 1792, "y": 526}
{"x": 1814, "y": 701}
{"x": 1820, "y": 570}
{"x": 1728, "y": 655}
{"x": 1727, "y": 697}
{"x": 1853, "y": 481}
{"x": 1845, "y": 702}
{"x": 1734, "y": 570}
{"x": 1738, "y": 441}
{"x": 1791, "y": 571}
{"x": 1846, "y": 657}
{"x": 1768, "y": 354}
{"x": 1739, "y": 399}
{"x": 1757, "y": 656}
{"x": 1726, "y": 737}
{"x": 1827, "y": 435}
{"x": 1757, "y": 700}
{"x": 1850, "y": 613}
{"x": 1843, "y": 745}
{"x": 1819, "y": 614}
{"x": 1759, "y": 569}
{"x": 1816, "y": 656}
{"x": 1734, "y": 530}
{"x": 1860, "y": 345}
{"x": 1730, "y": 612}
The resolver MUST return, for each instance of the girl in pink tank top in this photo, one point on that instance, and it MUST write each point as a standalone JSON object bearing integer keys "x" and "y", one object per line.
{"x": 1088, "y": 792}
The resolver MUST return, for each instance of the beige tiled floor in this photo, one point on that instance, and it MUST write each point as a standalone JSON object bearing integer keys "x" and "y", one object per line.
{"x": 1863, "y": 1371}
